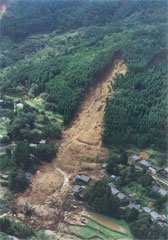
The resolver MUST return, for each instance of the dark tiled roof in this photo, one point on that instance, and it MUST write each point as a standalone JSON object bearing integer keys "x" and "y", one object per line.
{"x": 77, "y": 188}
{"x": 135, "y": 206}
{"x": 147, "y": 209}
{"x": 83, "y": 177}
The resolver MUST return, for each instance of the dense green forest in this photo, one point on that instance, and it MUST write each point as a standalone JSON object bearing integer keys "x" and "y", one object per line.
{"x": 72, "y": 53}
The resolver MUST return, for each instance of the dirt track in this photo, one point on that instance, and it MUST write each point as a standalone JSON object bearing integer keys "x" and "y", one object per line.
{"x": 81, "y": 149}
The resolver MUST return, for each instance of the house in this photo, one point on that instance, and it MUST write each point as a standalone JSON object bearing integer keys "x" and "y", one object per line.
{"x": 145, "y": 163}
{"x": 163, "y": 218}
{"x": 112, "y": 184}
{"x": 122, "y": 197}
{"x": 135, "y": 158}
{"x": 159, "y": 190}
{"x": 42, "y": 142}
{"x": 162, "y": 192}
{"x": 113, "y": 176}
{"x": 135, "y": 206}
{"x": 155, "y": 216}
{"x": 147, "y": 209}
{"x": 77, "y": 189}
{"x": 83, "y": 178}
{"x": 32, "y": 145}
{"x": 152, "y": 170}
{"x": 114, "y": 190}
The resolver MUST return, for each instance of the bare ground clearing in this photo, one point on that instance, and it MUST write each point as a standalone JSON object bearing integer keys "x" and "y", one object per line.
{"x": 80, "y": 150}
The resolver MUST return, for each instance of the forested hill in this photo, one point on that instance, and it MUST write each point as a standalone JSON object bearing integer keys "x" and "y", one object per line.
{"x": 25, "y": 17}
{"x": 79, "y": 41}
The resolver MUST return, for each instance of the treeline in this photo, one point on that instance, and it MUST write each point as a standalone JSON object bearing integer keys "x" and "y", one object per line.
{"x": 25, "y": 17}
{"x": 136, "y": 114}
{"x": 132, "y": 30}
{"x": 46, "y": 16}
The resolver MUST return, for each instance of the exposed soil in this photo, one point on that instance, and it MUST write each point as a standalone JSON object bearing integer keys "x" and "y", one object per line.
{"x": 80, "y": 150}
{"x": 104, "y": 221}
{"x": 144, "y": 155}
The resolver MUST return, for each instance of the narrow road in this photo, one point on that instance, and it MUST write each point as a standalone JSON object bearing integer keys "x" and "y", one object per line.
{"x": 66, "y": 179}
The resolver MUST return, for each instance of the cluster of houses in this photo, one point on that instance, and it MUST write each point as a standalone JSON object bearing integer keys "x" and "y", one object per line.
{"x": 155, "y": 217}
{"x": 143, "y": 163}
{"x": 159, "y": 190}
{"x": 83, "y": 178}
{"x": 147, "y": 165}
{"x": 160, "y": 219}
{"x": 121, "y": 196}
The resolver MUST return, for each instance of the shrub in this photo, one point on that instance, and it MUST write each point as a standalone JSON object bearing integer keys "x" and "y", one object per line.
{"x": 17, "y": 180}
{"x": 18, "y": 229}
{"x": 5, "y": 139}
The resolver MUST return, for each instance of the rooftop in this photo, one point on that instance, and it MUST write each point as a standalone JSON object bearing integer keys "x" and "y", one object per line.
{"x": 83, "y": 177}
{"x": 135, "y": 206}
{"x": 112, "y": 185}
{"x": 114, "y": 190}
{"x": 77, "y": 188}
{"x": 33, "y": 145}
{"x": 135, "y": 158}
{"x": 166, "y": 169}
{"x": 145, "y": 163}
{"x": 42, "y": 141}
{"x": 154, "y": 215}
{"x": 122, "y": 196}
{"x": 162, "y": 192}
{"x": 147, "y": 209}
{"x": 155, "y": 188}
{"x": 153, "y": 170}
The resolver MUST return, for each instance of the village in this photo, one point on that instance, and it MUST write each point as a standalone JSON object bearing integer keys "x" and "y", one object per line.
{"x": 129, "y": 201}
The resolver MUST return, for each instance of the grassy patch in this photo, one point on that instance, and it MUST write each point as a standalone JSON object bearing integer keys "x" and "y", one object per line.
{"x": 95, "y": 230}
{"x": 38, "y": 104}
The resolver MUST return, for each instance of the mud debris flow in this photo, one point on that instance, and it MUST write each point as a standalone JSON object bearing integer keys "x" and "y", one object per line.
{"x": 80, "y": 149}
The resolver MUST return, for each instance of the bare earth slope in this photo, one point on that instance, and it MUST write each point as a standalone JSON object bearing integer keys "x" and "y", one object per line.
{"x": 80, "y": 150}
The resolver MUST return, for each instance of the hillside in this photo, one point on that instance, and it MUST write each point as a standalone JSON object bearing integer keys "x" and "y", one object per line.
{"x": 89, "y": 79}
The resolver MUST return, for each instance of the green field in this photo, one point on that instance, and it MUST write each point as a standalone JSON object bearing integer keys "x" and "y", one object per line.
{"x": 94, "y": 230}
